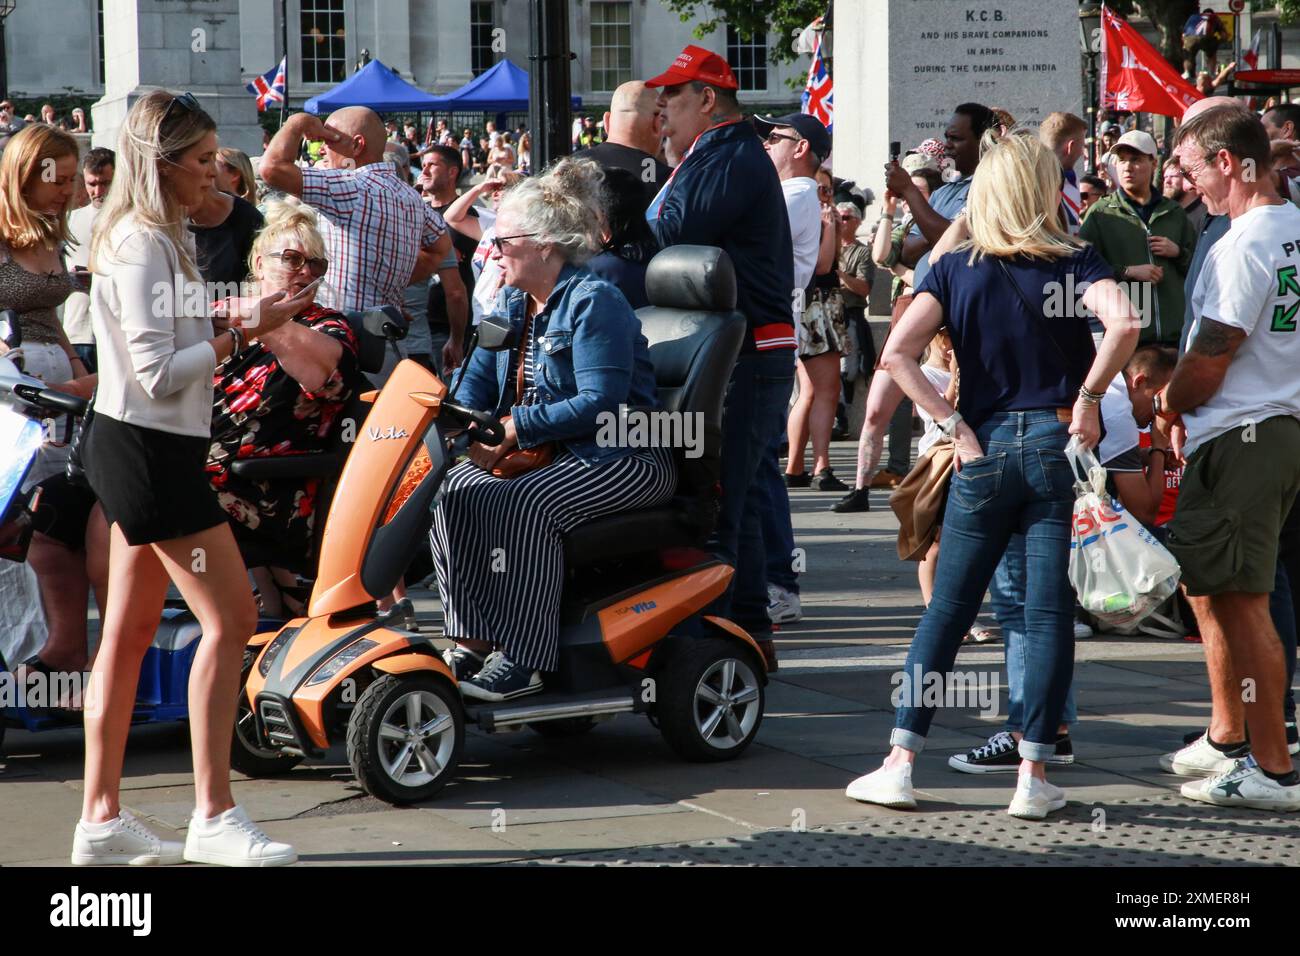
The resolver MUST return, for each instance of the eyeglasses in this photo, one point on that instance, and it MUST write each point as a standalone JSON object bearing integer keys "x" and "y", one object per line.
{"x": 499, "y": 242}
{"x": 774, "y": 137}
{"x": 293, "y": 261}
{"x": 187, "y": 101}
{"x": 1191, "y": 174}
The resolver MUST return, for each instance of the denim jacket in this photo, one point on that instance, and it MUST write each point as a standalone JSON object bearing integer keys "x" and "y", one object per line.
{"x": 591, "y": 359}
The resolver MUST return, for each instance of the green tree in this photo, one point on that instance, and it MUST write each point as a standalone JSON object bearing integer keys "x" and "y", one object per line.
{"x": 1168, "y": 17}
{"x": 784, "y": 18}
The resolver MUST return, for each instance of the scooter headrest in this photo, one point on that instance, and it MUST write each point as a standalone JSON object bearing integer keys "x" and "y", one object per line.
{"x": 698, "y": 278}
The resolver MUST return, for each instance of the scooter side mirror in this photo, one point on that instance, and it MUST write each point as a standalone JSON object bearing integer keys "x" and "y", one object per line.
{"x": 386, "y": 322}
{"x": 11, "y": 332}
{"x": 495, "y": 333}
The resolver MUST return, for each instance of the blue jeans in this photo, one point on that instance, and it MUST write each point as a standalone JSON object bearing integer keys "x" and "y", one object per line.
{"x": 1022, "y": 485}
{"x": 753, "y": 415}
{"x": 778, "y": 532}
{"x": 1282, "y": 609}
{"x": 1007, "y": 595}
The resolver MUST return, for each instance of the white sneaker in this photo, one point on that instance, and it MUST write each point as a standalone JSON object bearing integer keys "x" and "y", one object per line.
{"x": 783, "y": 606}
{"x": 888, "y": 786}
{"x": 122, "y": 841}
{"x": 1197, "y": 759}
{"x": 1035, "y": 798}
{"x": 1082, "y": 631}
{"x": 1245, "y": 785}
{"x": 232, "y": 839}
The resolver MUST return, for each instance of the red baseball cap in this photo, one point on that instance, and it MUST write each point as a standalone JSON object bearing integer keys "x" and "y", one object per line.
{"x": 698, "y": 64}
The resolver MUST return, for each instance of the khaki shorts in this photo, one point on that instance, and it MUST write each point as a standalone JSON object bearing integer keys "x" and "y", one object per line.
{"x": 1235, "y": 494}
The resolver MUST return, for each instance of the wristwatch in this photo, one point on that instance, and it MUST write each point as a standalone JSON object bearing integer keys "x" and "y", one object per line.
{"x": 1158, "y": 407}
{"x": 949, "y": 425}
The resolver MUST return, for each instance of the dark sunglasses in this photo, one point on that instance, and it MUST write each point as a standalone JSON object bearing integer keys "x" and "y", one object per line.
{"x": 187, "y": 101}
{"x": 774, "y": 137}
{"x": 293, "y": 261}
{"x": 500, "y": 241}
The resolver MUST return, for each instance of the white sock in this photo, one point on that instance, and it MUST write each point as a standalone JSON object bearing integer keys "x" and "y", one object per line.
{"x": 104, "y": 827}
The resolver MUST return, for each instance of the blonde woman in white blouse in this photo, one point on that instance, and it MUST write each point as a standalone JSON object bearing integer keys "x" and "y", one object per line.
{"x": 144, "y": 454}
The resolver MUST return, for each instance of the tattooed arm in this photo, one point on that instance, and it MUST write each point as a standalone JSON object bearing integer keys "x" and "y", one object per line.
{"x": 1201, "y": 369}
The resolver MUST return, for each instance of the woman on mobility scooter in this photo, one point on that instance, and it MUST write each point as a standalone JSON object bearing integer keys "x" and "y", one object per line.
{"x": 144, "y": 455}
{"x": 497, "y": 542}
{"x": 282, "y": 395}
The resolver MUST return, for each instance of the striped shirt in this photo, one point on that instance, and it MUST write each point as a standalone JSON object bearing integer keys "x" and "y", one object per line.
{"x": 374, "y": 226}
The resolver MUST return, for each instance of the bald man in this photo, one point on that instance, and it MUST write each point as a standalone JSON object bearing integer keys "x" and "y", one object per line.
{"x": 380, "y": 236}
{"x": 633, "y": 124}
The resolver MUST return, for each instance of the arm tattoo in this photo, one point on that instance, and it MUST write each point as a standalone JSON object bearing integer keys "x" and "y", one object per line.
{"x": 1214, "y": 338}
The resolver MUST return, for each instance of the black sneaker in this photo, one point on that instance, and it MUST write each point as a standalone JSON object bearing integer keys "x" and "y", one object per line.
{"x": 859, "y": 499}
{"x": 826, "y": 481}
{"x": 401, "y": 616}
{"x": 501, "y": 679}
{"x": 463, "y": 662}
{"x": 798, "y": 481}
{"x": 1001, "y": 755}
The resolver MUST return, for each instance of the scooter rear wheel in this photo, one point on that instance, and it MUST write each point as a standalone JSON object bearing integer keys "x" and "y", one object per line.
{"x": 405, "y": 737}
{"x": 710, "y": 699}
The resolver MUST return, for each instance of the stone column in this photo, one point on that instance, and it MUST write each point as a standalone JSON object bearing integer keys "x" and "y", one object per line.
{"x": 451, "y": 46}
{"x": 179, "y": 45}
{"x": 902, "y": 65}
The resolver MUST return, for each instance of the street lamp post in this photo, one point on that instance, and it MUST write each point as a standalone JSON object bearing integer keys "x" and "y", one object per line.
{"x": 1090, "y": 41}
{"x": 6, "y": 8}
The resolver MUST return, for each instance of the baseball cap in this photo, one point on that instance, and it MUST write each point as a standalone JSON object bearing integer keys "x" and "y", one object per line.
{"x": 1137, "y": 140}
{"x": 915, "y": 162}
{"x": 808, "y": 127}
{"x": 698, "y": 64}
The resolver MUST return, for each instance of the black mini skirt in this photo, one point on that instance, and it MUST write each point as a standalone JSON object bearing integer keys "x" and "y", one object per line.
{"x": 152, "y": 484}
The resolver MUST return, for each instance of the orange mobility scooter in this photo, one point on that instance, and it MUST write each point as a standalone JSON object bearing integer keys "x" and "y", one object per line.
{"x": 632, "y": 581}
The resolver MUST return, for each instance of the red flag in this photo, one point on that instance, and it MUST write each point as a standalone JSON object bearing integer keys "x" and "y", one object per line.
{"x": 1135, "y": 77}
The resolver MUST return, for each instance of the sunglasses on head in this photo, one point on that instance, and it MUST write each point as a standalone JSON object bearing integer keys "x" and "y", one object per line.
{"x": 187, "y": 102}
{"x": 293, "y": 261}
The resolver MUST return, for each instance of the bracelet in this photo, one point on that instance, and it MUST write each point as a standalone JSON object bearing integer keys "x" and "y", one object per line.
{"x": 1089, "y": 398}
{"x": 237, "y": 340}
{"x": 1152, "y": 451}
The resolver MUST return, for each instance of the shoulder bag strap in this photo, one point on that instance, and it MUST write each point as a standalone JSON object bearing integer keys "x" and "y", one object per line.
{"x": 1024, "y": 300}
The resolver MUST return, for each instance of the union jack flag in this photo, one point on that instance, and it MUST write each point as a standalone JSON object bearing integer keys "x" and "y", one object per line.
{"x": 269, "y": 87}
{"x": 817, "y": 98}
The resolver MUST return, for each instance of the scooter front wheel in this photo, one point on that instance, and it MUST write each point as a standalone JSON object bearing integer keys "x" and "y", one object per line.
{"x": 247, "y": 755}
{"x": 405, "y": 737}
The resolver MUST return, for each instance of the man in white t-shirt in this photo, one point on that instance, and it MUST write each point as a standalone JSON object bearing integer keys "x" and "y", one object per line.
{"x": 1137, "y": 474}
{"x": 97, "y": 168}
{"x": 1233, "y": 407}
{"x": 797, "y": 144}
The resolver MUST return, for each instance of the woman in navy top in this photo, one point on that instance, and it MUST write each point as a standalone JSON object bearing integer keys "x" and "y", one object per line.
{"x": 1014, "y": 298}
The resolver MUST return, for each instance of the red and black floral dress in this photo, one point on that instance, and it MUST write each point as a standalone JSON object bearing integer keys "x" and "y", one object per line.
{"x": 259, "y": 410}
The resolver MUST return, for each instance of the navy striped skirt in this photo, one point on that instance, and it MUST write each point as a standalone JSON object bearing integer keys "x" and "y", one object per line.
{"x": 498, "y": 544}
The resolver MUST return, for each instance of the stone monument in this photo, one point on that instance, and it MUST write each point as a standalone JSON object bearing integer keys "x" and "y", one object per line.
{"x": 901, "y": 66}
{"x": 179, "y": 45}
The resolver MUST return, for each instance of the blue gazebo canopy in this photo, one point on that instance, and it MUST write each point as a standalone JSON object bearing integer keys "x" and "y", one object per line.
{"x": 377, "y": 86}
{"x": 502, "y": 89}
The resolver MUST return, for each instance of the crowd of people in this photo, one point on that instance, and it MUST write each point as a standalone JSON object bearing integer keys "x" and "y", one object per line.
{"x": 1179, "y": 340}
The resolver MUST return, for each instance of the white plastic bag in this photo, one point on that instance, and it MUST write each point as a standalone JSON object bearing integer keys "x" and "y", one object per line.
{"x": 1120, "y": 572}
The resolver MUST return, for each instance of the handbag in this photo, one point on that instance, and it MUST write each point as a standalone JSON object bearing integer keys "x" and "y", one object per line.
{"x": 518, "y": 461}
{"x": 919, "y": 499}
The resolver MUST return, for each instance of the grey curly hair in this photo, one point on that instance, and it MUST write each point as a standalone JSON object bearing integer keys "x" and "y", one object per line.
{"x": 564, "y": 206}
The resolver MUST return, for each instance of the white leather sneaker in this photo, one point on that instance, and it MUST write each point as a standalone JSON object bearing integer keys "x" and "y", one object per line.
{"x": 232, "y": 839}
{"x": 1245, "y": 785}
{"x": 124, "y": 841}
{"x": 1035, "y": 798}
{"x": 1198, "y": 759}
{"x": 888, "y": 786}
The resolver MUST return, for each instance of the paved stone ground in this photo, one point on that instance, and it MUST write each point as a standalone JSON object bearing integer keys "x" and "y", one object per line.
{"x": 619, "y": 797}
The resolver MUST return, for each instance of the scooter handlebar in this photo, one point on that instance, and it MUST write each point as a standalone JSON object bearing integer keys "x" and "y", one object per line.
{"x": 487, "y": 429}
{"x": 52, "y": 399}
